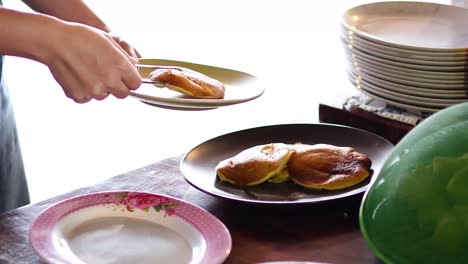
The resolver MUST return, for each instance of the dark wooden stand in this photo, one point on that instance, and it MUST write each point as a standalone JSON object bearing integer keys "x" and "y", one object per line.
{"x": 392, "y": 130}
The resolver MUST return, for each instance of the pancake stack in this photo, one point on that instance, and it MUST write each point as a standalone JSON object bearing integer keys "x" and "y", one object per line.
{"x": 319, "y": 166}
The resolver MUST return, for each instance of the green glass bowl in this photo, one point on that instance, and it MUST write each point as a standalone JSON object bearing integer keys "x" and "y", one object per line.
{"x": 416, "y": 210}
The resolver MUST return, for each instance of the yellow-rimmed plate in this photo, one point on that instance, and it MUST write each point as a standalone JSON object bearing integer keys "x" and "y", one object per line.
{"x": 240, "y": 87}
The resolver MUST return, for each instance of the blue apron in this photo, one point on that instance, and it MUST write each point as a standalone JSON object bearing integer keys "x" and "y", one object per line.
{"x": 13, "y": 186}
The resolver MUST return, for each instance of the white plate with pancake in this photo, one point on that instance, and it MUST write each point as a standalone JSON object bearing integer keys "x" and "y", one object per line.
{"x": 240, "y": 87}
{"x": 198, "y": 165}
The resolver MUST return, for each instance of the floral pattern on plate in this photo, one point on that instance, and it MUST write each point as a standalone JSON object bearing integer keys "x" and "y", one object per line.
{"x": 145, "y": 201}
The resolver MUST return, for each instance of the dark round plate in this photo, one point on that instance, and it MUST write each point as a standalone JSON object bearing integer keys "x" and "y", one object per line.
{"x": 198, "y": 165}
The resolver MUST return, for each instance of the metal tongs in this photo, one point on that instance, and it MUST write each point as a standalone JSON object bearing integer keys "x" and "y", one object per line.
{"x": 156, "y": 67}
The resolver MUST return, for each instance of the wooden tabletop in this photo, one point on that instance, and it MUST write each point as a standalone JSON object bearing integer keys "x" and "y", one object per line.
{"x": 326, "y": 232}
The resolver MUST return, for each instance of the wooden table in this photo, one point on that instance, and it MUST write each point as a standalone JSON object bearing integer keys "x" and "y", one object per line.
{"x": 325, "y": 232}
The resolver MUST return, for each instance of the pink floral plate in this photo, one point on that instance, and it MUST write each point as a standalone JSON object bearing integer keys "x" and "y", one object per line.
{"x": 129, "y": 227}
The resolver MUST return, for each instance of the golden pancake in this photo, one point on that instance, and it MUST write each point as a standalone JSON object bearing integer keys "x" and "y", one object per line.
{"x": 255, "y": 165}
{"x": 281, "y": 177}
{"x": 188, "y": 82}
{"x": 328, "y": 167}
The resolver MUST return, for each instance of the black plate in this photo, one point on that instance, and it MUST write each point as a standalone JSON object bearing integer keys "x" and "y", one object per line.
{"x": 198, "y": 164}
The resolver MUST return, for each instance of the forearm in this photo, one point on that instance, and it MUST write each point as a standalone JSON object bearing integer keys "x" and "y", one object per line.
{"x": 26, "y": 35}
{"x": 68, "y": 10}
{"x": 85, "y": 60}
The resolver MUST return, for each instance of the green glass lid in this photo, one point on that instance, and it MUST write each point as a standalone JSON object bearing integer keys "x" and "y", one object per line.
{"x": 416, "y": 210}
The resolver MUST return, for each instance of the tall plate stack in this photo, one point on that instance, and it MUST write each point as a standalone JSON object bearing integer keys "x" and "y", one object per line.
{"x": 413, "y": 55}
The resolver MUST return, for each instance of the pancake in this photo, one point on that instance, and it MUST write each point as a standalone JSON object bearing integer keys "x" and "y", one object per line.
{"x": 188, "y": 82}
{"x": 328, "y": 167}
{"x": 281, "y": 176}
{"x": 255, "y": 165}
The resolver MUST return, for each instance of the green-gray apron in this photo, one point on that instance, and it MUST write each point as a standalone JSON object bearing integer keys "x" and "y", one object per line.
{"x": 13, "y": 186}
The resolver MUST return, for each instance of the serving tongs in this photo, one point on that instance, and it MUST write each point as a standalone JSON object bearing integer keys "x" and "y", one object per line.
{"x": 156, "y": 67}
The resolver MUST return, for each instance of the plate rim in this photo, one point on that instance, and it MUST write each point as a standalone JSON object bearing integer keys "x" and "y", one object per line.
{"x": 371, "y": 37}
{"x": 210, "y": 251}
{"x": 347, "y": 35}
{"x": 388, "y": 90}
{"x": 355, "y": 44}
{"x": 283, "y": 202}
{"x": 442, "y": 75}
{"x": 392, "y": 102}
{"x": 353, "y": 62}
{"x": 362, "y": 55}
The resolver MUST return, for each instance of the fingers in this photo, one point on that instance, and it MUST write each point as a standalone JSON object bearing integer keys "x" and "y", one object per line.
{"x": 129, "y": 49}
{"x": 116, "y": 87}
{"x": 132, "y": 79}
{"x": 100, "y": 94}
{"x": 101, "y": 89}
{"x": 124, "y": 79}
{"x": 94, "y": 65}
{"x": 119, "y": 82}
{"x": 138, "y": 55}
{"x": 82, "y": 100}
{"x": 69, "y": 82}
{"x": 83, "y": 89}
{"x": 120, "y": 91}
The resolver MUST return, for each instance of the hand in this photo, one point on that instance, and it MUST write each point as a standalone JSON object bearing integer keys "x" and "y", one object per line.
{"x": 127, "y": 47}
{"x": 91, "y": 64}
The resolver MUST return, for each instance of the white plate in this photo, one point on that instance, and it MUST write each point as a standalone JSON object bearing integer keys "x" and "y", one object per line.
{"x": 403, "y": 97}
{"x": 403, "y": 75}
{"x": 398, "y": 86}
{"x": 128, "y": 227}
{"x": 397, "y": 103}
{"x": 199, "y": 164}
{"x": 389, "y": 101}
{"x": 363, "y": 55}
{"x": 412, "y": 25}
{"x": 402, "y": 51}
{"x": 398, "y": 79}
{"x": 424, "y": 74}
{"x": 353, "y": 44}
{"x": 240, "y": 87}
{"x": 415, "y": 91}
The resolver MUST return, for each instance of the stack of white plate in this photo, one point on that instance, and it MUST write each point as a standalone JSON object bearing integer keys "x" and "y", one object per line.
{"x": 413, "y": 55}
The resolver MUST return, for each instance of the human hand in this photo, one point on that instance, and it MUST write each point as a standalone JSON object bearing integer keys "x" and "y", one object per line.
{"x": 91, "y": 64}
{"x": 125, "y": 45}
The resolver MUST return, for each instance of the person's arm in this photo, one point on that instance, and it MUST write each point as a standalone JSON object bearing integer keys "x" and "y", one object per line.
{"x": 22, "y": 34}
{"x": 69, "y": 10}
{"x": 77, "y": 11}
{"x": 87, "y": 62}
